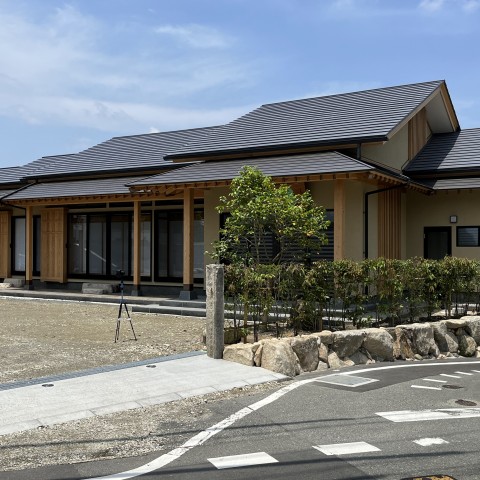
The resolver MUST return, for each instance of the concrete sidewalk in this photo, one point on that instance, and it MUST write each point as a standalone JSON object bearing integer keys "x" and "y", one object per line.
{"x": 27, "y": 405}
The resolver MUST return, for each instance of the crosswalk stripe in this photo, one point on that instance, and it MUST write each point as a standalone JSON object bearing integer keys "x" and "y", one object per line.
{"x": 346, "y": 448}
{"x": 427, "y": 442}
{"x": 422, "y": 415}
{"x": 244, "y": 460}
{"x": 425, "y": 387}
{"x": 451, "y": 376}
{"x": 434, "y": 380}
{"x": 464, "y": 373}
{"x": 476, "y": 371}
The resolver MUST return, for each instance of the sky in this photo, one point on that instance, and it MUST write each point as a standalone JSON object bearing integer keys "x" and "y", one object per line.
{"x": 76, "y": 73}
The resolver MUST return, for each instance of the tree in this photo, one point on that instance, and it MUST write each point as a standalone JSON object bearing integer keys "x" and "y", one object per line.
{"x": 259, "y": 209}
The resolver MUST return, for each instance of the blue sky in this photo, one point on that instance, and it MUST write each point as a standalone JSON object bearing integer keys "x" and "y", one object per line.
{"x": 75, "y": 73}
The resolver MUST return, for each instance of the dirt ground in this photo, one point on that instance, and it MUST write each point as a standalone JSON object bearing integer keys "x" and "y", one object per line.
{"x": 42, "y": 338}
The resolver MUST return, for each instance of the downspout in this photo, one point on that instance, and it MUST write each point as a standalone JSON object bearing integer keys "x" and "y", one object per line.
{"x": 366, "y": 197}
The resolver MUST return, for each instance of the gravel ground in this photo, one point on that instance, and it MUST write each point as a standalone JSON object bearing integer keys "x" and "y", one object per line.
{"x": 71, "y": 336}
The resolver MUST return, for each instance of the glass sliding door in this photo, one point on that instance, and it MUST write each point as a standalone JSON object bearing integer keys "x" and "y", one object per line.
{"x": 169, "y": 245}
{"x": 146, "y": 245}
{"x": 18, "y": 244}
{"x": 97, "y": 245}
{"x": 120, "y": 243}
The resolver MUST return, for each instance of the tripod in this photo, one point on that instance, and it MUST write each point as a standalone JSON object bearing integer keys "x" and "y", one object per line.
{"x": 122, "y": 306}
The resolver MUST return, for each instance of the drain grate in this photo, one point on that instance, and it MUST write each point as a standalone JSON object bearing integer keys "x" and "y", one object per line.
{"x": 47, "y": 385}
{"x": 452, "y": 387}
{"x": 466, "y": 403}
{"x": 346, "y": 380}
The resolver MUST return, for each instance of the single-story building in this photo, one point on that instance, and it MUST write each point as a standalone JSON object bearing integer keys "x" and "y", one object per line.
{"x": 396, "y": 174}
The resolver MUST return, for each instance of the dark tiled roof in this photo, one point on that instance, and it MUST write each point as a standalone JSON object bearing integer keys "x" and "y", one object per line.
{"x": 446, "y": 152}
{"x": 74, "y": 188}
{"x": 288, "y": 165}
{"x": 136, "y": 152}
{"x": 10, "y": 175}
{"x": 454, "y": 183}
{"x": 345, "y": 118}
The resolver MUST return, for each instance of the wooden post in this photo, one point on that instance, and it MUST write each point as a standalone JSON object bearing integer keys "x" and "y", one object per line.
{"x": 339, "y": 220}
{"x": 137, "y": 253}
{"x": 188, "y": 213}
{"x": 29, "y": 248}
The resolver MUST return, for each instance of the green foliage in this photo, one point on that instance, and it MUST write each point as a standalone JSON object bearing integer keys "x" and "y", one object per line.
{"x": 257, "y": 207}
{"x": 350, "y": 280}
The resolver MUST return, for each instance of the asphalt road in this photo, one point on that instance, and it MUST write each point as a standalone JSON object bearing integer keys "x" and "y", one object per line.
{"x": 400, "y": 421}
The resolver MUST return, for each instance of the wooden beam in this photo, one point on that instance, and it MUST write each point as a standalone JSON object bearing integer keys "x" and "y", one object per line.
{"x": 137, "y": 258}
{"x": 339, "y": 220}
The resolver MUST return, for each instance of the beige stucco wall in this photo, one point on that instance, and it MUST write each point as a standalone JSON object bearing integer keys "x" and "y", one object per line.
{"x": 434, "y": 211}
{"x": 393, "y": 153}
{"x": 322, "y": 193}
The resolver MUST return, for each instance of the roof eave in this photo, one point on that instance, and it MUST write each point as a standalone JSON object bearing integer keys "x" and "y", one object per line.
{"x": 179, "y": 157}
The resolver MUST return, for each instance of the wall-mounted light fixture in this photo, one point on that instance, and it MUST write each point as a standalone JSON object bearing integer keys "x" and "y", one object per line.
{"x": 453, "y": 219}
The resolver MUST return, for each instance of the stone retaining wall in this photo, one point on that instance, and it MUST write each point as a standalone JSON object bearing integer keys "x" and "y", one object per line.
{"x": 319, "y": 351}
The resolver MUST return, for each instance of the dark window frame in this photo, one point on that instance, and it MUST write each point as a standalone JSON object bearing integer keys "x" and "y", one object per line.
{"x": 108, "y": 253}
{"x": 467, "y": 226}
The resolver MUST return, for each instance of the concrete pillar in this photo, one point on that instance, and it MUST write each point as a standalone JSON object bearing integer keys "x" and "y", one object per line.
{"x": 215, "y": 310}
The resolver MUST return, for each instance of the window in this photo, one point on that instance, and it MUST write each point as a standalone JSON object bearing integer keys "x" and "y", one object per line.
{"x": 468, "y": 236}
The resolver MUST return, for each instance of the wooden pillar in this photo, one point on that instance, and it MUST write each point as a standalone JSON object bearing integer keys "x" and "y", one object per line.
{"x": 339, "y": 220}
{"x": 188, "y": 212}
{"x": 137, "y": 253}
{"x": 29, "y": 248}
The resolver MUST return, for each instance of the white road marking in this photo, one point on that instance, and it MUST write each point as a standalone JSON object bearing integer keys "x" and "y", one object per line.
{"x": 427, "y": 442}
{"x": 451, "y": 376}
{"x": 426, "y": 388}
{"x": 464, "y": 373}
{"x": 202, "y": 437}
{"x": 198, "y": 439}
{"x": 346, "y": 448}
{"x": 476, "y": 371}
{"x": 434, "y": 380}
{"x": 245, "y": 460}
{"x": 421, "y": 415}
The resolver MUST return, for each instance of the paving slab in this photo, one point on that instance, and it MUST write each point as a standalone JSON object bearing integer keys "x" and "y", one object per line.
{"x": 63, "y": 399}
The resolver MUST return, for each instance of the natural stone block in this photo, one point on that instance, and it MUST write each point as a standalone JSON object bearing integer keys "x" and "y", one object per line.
{"x": 423, "y": 341}
{"x": 306, "y": 349}
{"x": 379, "y": 343}
{"x": 279, "y": 357}
{"x": 324, "y": 366}
{"x": 359, "y": 358}
{"x": 403, "y": 345}
{"x": 323, "y": 352}
{"x": 466, "y": 346}
{"x": 453, "y": 323}
{"x": 326, "y": 337}
{"x": 473, "y": 327}
{"x": 334, "y": 361}
{"x": 347, "y": 342}
{"x": 239, "y": 353}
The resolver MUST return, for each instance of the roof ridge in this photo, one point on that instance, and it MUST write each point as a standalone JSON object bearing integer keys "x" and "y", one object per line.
{"x": 350, "y": 93}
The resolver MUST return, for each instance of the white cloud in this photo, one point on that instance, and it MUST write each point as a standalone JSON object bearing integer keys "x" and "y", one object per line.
{"x": 197, "y": 36}
{"x": 471, "y": 5}
{"x": 432, "y": 5}
{"x": 63, "y": 70}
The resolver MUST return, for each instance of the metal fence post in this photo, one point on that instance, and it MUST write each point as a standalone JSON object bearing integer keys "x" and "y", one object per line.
{"x": 215, "y": 311}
